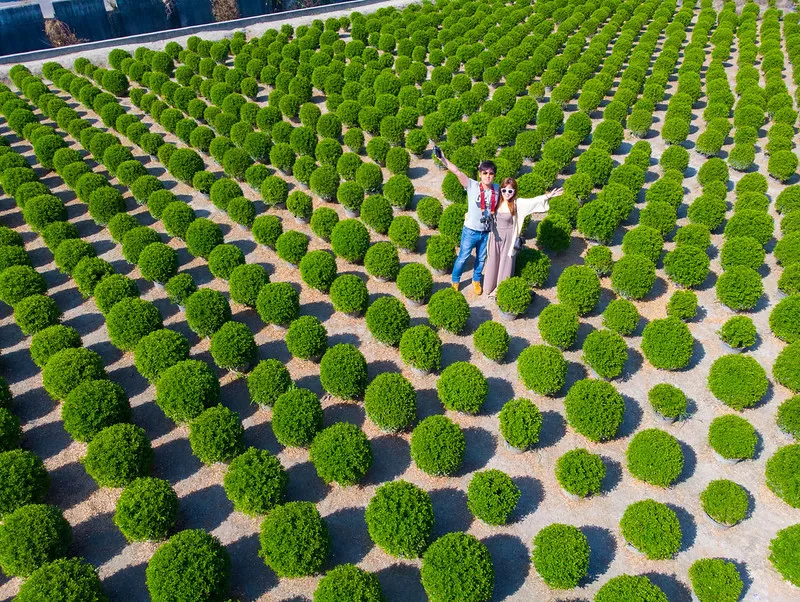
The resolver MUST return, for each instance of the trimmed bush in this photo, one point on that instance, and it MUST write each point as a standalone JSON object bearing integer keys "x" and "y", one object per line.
{"x": 437, "y": 446}
{"x": 750, "y": 222}
{"x": 117, "y": 455}
{"x": 561, "y": 555}
{"x": 307, "y": 338}
{"x": 783, "y": 474}
{"x": 31, "y": 537}
{"x": 206, "y": 311}
{"x": 725, "y": 502}
{"x": 739, "y": 288}
{"x": 580, "y": 472}
{"x": 633, "y": 276}
{"x": 399, "y": 519}
{"x": 738, "y": 381}
{"x": 278, "y": 303}
{"x": 714, "y": 579}
{"x": 667, "y": 344}
{"x": 341, "y": 454}
{"x": 131, "y": 319}
{"x": 605, "y": 352}
{"x": 391, "y": 402}
{"x": 245, "y": 282}
{"x": 158, "y": 262}
{"x": 216, "y": 435}
{"x": 349, "y": 582}
{"x": 202, "y": 237}
{"x": 158, "y": 351}
{"x": 732, "y": 437}
{"x": 112, "y": 289}
{"x": 448, "y": 309}
{"x": 24, "y": 480}
{"x": 645, "y": 241}
{"x": 185, "y": 389}
{"x": 600, "y": 260}
{"x": 458, "y": 566}
{"x": 267, "y": 381}
{"x": 49, "y": 341}
{"x": 492, "y": 496}
{"x": 784, "y": 320}
{"x": 63, "y": 580}
{"x": 294, "y": 540}
{"x": 421, "y": 348}
{"x": 233, "y": 347}
{"x": 652, "y": 528}
{"x": 223, "y": 259}
{"x": 558, "y": 325}
{"x": 462, "y": 388}
{"x": 440, "y": 253}
{"x": 146, "y": 510}
{"x": 682, "y": 305}
{"x": 93, "y": 406}
{"x": 742, "y": 251}
{"x": 296, "y": 417}
{"x": 35, "y": 313}
{"x": 492, "y": 340}
{"x": 655, "y": 457}
{"x": 629, "y": 588}
{"x": 597, "y": 221}
{"x": 621, "y": 316}
{"x": 784, "y": 549}
{"x": 255, "y": 482}
{"x": 191, "y": 562}
{"x": 381, "y": 261}
{"x": 789, "y": 416}
{"x": 513, "y": 295}
{"x": 343, "y": 371}
{"x": 520, "y": 423}
{"x": 350, "y": 240}
{"x": 595, "y": 409}
{"x": 542, "y": 369}
{"x": 68, "y": 368}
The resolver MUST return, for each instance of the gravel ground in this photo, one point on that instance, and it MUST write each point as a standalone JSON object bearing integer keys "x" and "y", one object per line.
{"x": 203, "y": 501}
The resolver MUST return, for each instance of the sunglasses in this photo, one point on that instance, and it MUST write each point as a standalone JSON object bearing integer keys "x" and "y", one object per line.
{"x": 507, "y": 190}
{"x": 487, "y": 173}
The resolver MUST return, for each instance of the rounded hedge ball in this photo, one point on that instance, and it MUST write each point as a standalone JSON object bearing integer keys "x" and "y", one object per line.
{"x": 783, "y": 474}
{"x": 118, "y": 454}
{"x": 233, "y": 347}
{"x": 399, "y": 519}
{"x": 580, "y": 473}
{"x": 186, "y": 389}
{"x": 652, "y": 528}
{"x": 64, "y": 579}
{"x": 595, "y": 409}
{"x": 190, "y": 563}
{"x": 387, "y": 319}
{"x": 492, "y": 496}
{"x": 255, "y": 482}
{"x": 158, "y": 351}
{"x": 629, "y": 588}
{"x": 69, "y": 368}
{"x": 561, "y": 555}
{"x": 341, "y": 454}
{"x": 296, "y": 417}
{"x": 348, "y": 582}
{"x": 579, "y": 288}
{"x": 738, "y": 381}
{"x": 146, "y": 510}
{"x": 520, "y": 423}
{"x": 32, "y": 536}
{"x": 390, "y": 401}
{"x": 462, "y": 387}
{"x": 92, "y": 406}
{"x": 784, "y": 548}
{"x": 51, "y": 340}
{"x": 542, "y": 369}
{"x": 438, "y": 446}
{"x": 457, "y": 566}
{"x": 216, "y": 435}
{"x": 667, "y": 344}
{"x": 343, "y": 371}
{"x": 715, "y": 580}
{"x": 633, "y": 276}
{"x": 558, "y": 325}
{"x": 23, "y": 480}
{"x": 448, "y": 309}
{"x": 655, "y": 457}
{"x": 725, "y": 502}
{"x": 606, "y": 353}
{"x": 206, "y": 311}
{"x": 784, "y": 320}
{"x": 130, "y": 320}
{"x": 294, "y": 540}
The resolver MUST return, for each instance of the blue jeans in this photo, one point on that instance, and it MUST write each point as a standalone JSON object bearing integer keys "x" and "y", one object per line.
{"x": 471, "y": 239}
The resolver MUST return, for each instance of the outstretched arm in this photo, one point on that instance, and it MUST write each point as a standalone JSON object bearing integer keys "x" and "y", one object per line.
{"x": 537, "y": 204}
{"x": 462, "y": 178}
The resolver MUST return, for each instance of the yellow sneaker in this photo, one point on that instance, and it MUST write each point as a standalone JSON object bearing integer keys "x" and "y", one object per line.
{"x": 476, "y": 286}
{"x": 455, "y": 286}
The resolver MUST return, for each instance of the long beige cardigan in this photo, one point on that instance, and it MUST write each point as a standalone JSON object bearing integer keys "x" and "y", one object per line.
{"x": 525, "y": 207}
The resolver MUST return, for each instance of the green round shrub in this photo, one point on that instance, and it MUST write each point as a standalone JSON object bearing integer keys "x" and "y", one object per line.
{"x": 206, "y": 311}
{"x": 92, "y": 406}
{"x": 255, "y": 482}
{"x": 158, "y": 351}
{"x": 146, "y": 510}
{"x": 440, "y": 253}
{"x": 296, "y": 417}
{"x": 605, "y": 352}
{"x": 513, "y": 295}
{"x": 580, "y": 473}
{"x": 715, "y": 579}
{"x": 68, "y": 368}
{"x": 561, "y": 555}
{"x": 784, "y": 549}
{"x": 278, "y": 303}
{"x": 732, "y": 437}
{"x": 643, "y": 240}
{"x": 458, "y": 566}
{"x": 24, "y": 480}
{"x": 404, "y": 232}
{"x": 381, "y": 261}
{"x": 131, "y": 319}
{"x": 399, "y": 519}
{"x": 191, "y": 562}
{"x": 520, "y": 423}
{"x": 789, "y": 416}
{"x": 600, "y": 260}
{"x": 682, "y": 305}
{"x": 216, "y": 435}
{"x": 492, "y": 496}
{"x": 462, "y": 387}
{"x": 633, "y": 276}
{"x": 307, "y": 338}
{"x": 185, "y": 389}
{"x": 437, "y": 446}
{"x": 294, "y": 540}
{"x": 118, "y": 454}
{"x": 35, "y": 313}
{"x": 652, "y": 528}
{"x": 655, "y": 457}
{"x": 448, "y": 309}
{"x": 202, "y": 236}
{"x": 223, "y": 259}
{"x": 750, "y": 222}
{"x": 738, "y": 381}
{"x": 725, "y": 502}
{"x": 341, "y": 454}
{"x": 31, "y": 537}
{"x": 782, "y": 474}
{"x": 784, "y": 319}
{"x": 629, "y": 588}
{"x": 70, "y": 252}
{"x": 245, "y": 282}
{"x": 621, "y": 316}
{"x": 49, "y": 341}
{"x": 667, "y": 344}
{"x": 542, "y": 369}
{"x": 350, "y": 240}
{"x": 492, "y": 340}
{"x": 558, "y": 325}
{"x": 390, "y": 402}
{"x": 595, "y": 409}
{"x": 415, "y": 282}
{"x": 233, "y": 347}
{"x": 421, "y": 348}
{"x": 267, "y": 381}
{"x": 348, "y": 582}
{"x": 63, "y": 580}
{"x": 429, "y": 211}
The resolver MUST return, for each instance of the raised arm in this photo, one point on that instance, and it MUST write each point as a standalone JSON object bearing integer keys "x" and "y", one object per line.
{"x": 537, "y": 204}
{"x": 462, "y": 178}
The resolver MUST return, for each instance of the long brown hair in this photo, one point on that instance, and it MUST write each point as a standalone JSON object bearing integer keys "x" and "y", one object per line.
{"x": 512, "y": 202}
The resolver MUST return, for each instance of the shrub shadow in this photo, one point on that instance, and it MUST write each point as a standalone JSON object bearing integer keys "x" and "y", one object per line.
{"x": 97, "y": 539}
{"x": 70, "y": 485}
{"x": 450, "y": 512}
{"x": 481, "y": 446}
{"x": 205, "y": 508}
{"x": 532, "y": 495}
{"x": 250, "y": 579}
{"x": 676, "y": 590}
{"x": 688, "y": 526}
{"x": 512, "y": 563}
{"x": 554, "y": 427}
{"x": 128, "y": 584}
{"x": 344, "y": 412}
{"x": 174, "y": 460}
{"x": 613, "y": 474}
{"x": 305, "y": 484}
{"x": 402, "y": 582}
{"x": 602, "y": 549}
{"x": 350, "y": 540}
{"x": 391, "y": 458}
{"x": 500, "y": 391}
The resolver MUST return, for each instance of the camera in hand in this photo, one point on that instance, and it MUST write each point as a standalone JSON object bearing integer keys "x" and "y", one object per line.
{"x": 488, "y": 221}
{"x": 438, "y": 152}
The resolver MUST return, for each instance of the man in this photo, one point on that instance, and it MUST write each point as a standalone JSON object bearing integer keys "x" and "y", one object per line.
{"x": 482, "y": 200}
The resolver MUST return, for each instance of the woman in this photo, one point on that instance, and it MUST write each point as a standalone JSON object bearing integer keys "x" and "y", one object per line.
{"x": 509, "y": 216}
